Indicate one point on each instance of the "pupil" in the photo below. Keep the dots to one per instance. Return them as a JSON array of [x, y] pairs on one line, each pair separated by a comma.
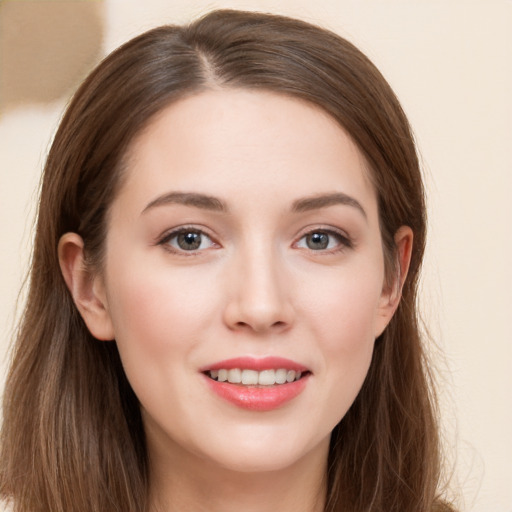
[[189, 241], [318, 241]]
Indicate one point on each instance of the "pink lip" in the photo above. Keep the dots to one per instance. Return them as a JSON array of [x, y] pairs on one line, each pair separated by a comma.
[[256, 398], [258, 364]]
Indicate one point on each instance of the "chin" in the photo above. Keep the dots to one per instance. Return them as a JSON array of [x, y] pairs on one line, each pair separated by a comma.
[[259, 454]]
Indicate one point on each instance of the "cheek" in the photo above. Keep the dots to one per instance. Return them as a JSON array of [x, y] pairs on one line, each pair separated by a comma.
[[345, 309], [160, 318], [343, 320], [349, 338], [158, 313]]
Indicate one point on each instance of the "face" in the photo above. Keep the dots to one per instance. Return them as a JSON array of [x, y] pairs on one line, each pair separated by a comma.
[[244, 245]]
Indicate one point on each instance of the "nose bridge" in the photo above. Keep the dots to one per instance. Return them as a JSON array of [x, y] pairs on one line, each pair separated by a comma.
[[260, 298]]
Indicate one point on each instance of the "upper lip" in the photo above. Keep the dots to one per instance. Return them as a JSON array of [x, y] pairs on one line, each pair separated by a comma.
[[258, 364]]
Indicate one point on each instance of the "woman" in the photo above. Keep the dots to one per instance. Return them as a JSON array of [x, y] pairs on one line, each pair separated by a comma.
[[222, 307]]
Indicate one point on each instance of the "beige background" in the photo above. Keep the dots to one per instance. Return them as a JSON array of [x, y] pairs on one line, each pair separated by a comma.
[[449, 61]]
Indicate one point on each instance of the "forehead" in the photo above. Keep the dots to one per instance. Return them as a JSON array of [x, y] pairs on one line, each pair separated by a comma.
[[222, 142]]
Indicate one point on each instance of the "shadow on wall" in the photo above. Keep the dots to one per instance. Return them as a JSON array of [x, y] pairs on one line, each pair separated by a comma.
[[46, 48]]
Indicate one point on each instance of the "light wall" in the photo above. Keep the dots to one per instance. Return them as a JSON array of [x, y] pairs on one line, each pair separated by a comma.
[[450, 63]]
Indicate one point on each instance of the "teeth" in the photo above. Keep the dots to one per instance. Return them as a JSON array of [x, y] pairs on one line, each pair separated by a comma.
[[281, 376], [290, 376], [249, 377], [254, 378], [267, 378], [235, 376]]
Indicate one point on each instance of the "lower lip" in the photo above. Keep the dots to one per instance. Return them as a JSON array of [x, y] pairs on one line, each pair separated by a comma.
[[255, 398]]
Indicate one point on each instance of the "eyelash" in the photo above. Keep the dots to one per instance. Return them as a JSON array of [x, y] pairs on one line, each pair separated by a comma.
[[175, 233], [343, 241]]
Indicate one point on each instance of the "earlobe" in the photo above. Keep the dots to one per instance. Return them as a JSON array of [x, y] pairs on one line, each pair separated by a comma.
[[392, 292], [86, 288]]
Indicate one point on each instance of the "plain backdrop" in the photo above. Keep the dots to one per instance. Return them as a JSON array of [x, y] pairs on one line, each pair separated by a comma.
[[450, 63]]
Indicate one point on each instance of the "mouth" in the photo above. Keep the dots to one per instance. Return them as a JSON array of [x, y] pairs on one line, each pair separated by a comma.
[[257, 384], [248, 377]]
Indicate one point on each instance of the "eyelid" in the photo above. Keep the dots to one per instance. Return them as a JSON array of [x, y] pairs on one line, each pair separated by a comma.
[[345, 240], [169, 234]]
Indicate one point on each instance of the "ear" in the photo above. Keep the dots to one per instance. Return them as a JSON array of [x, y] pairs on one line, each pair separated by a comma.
[[392, 292], [86, 288]]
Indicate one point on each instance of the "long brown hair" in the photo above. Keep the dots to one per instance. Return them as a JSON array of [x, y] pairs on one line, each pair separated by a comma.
[[72, 438]]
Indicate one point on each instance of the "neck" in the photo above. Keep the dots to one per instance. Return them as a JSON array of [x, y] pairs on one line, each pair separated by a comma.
[[197, 485]]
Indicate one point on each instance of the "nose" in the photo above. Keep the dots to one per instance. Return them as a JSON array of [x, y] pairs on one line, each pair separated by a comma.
[[259, 297]]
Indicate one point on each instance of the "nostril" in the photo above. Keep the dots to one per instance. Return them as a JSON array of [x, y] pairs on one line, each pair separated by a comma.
[[261, 326]]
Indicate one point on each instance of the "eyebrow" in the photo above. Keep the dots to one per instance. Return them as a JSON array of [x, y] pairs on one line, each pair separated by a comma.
[[212, 203], [196, 200], [325, 200]]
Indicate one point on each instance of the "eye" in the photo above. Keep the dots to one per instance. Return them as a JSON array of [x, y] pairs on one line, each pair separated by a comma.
[[187, 240], [323, 240]]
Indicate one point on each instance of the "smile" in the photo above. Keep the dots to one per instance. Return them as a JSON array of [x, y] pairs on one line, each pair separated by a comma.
[[255, 378], [257, 384]]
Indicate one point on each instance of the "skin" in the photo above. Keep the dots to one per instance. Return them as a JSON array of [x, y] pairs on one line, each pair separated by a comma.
[[256, 286]]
